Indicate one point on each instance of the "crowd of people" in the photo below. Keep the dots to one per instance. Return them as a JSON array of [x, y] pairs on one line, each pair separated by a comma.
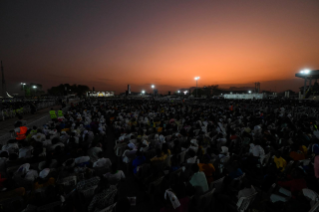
[[209, 155]]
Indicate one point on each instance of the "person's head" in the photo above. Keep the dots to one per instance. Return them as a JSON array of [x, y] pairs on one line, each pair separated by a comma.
[[191, 153], [278, 154], [55, 140], [165, 148], [4, 154], [47, 137], [18, 124], [103, 184], [123, 205], [100, 155], [195, 168], [205, 159], [25, 144], [114, 167], [13, 156], [297, 173], [158, 152], [247, 183]]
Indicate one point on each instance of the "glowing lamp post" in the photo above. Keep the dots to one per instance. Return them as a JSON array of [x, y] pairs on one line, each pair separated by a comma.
[[23, 84], [305, 72], [143, 92], [196, 79]]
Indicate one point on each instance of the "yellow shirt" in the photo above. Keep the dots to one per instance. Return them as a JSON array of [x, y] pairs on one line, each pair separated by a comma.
[[304, 150], [51, 181], [161, 158], [280, 163]]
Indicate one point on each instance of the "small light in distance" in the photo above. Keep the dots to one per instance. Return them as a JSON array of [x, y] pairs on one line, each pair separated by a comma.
[[152, 86], [249, 91], [143, 92], [178, 91], [197, 78], [185, 92], [34, 86]]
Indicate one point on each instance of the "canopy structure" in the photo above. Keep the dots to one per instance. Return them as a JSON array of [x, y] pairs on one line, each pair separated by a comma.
[[307, 75]]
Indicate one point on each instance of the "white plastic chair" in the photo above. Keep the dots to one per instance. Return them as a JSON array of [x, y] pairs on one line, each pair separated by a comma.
[[244, 202], [313, 196]]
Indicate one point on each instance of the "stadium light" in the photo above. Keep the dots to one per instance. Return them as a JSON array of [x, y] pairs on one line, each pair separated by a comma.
[[249, 91], [153, 86], [143, 92], [34, 86], [178, 91], [305, 71]]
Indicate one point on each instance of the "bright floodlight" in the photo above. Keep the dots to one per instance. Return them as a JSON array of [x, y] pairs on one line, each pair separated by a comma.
[[178, 91], [185, 92], [249, 91], [197, 78], [34, 86], [143, 92], [305, 71], [23, 83], [152, 86]]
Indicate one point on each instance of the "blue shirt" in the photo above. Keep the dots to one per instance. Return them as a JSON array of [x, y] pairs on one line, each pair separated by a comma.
[[137, 162]]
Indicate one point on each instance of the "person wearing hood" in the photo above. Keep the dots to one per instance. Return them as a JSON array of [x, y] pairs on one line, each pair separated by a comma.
[[25, 174], [44, 179]]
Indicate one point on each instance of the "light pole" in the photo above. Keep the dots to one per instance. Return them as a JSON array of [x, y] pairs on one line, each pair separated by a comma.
[[143, 92], [23, 84], [153, 86], [196, 79], [35, 88]]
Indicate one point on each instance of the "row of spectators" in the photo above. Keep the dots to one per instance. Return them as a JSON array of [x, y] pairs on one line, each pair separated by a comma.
[[195, 156]]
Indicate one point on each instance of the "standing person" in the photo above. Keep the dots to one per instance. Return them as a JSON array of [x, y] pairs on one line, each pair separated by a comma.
[[60, 113], [20, 131], [53, 114]]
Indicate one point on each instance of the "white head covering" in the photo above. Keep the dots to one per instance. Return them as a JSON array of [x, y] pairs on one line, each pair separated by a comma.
[[194, 141], [173, 198], [44, 173], [224, 149], [24, 168]]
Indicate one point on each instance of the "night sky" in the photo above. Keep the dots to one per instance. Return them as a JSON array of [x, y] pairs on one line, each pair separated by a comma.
[[111, 43]]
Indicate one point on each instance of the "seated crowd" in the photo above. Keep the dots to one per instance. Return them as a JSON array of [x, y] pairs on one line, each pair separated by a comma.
[[198, 156]]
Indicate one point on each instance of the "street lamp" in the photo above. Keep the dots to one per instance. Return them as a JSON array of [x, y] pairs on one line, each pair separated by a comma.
[[178, 91], [143, 92], [196, 79], [249, 91], [35, 88], [153, 86], [305, 71], [23, 84]]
